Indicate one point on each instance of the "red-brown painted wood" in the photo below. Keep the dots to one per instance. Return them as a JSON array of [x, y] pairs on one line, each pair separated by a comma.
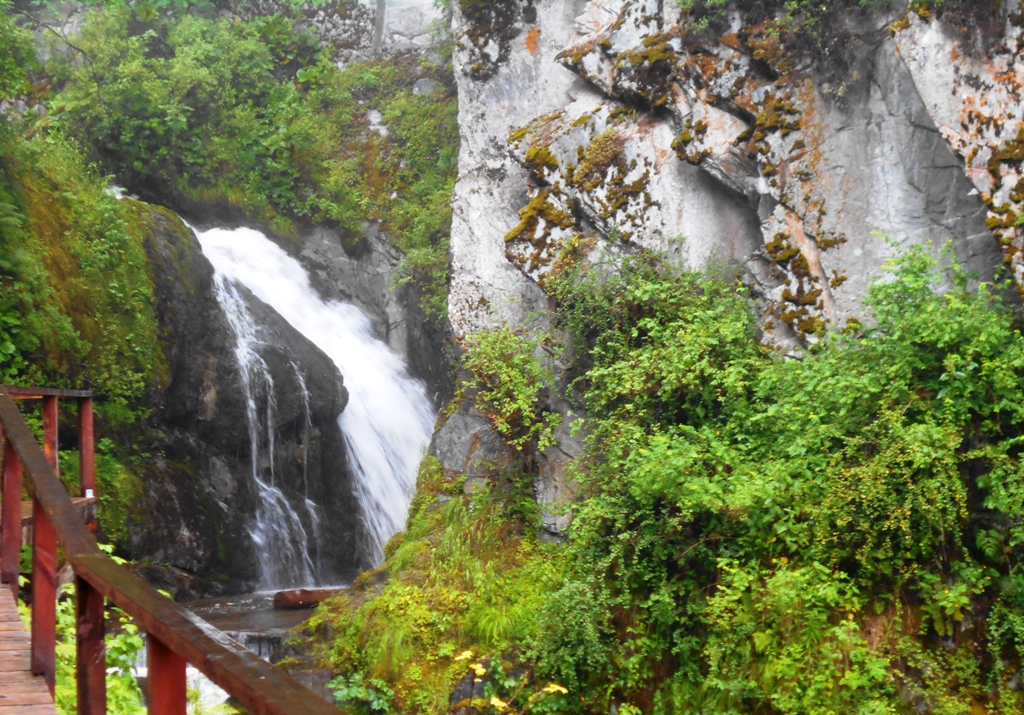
[[87, 453], [91, 653], [10, 518], [86, 447], [44, 594], [165, 679], [50, 432], [259, 687], [34, 393]]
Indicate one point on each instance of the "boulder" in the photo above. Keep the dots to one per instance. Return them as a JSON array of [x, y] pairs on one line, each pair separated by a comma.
[[468, 444], [198, 496]]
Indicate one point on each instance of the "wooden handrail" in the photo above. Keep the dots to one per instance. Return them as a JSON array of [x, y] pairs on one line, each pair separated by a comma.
[[35, 393], [174, 634]]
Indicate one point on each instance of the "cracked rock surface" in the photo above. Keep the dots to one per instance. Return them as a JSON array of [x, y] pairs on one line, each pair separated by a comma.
[[607, 119]]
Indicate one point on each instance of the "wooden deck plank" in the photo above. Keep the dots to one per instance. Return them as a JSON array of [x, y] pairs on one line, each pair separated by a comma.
[[21, 693], [24, 696]]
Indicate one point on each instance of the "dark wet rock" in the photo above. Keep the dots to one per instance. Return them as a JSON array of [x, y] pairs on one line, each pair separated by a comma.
[[198, 498]]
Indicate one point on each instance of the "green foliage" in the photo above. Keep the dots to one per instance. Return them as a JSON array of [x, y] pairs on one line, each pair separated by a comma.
[[17, 56], [374, 696], [257, 115], [507, 381], [795, 535], [123, 644], [77, 307], [467, 579], [76, 302], [118, 487], [831, 534]]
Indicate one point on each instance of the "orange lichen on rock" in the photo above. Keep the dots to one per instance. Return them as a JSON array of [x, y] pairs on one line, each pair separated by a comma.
[[977, 108], [533, 40]]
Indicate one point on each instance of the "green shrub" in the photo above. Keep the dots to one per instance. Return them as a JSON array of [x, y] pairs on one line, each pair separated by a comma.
[[507, 380], [468, 580], [836, 533], [77, 306], [257, 115], [793, 533]]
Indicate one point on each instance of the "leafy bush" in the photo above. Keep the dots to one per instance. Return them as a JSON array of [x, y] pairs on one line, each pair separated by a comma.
[[762, 532], [507, 381], [257, 116], [836, 533]]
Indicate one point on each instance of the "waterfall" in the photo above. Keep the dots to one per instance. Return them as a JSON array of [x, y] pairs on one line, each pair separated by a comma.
[[389, 419], [312, 511], [282, 544]]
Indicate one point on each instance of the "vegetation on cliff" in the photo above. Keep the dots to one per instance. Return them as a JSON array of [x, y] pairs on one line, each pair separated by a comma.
[[76, 310], [838, 533], [76, 302], [76, 306], [256, 117]]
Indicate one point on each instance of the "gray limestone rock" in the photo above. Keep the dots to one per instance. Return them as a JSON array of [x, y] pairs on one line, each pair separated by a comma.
[[467, 444], [486, 289], [600, 121]]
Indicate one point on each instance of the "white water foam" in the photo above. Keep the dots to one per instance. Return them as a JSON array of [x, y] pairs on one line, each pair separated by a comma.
[[389, 419], [277, 531]]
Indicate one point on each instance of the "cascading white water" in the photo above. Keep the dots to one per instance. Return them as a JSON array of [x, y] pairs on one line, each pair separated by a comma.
[[389, 419], [312, 510], [282, 544]]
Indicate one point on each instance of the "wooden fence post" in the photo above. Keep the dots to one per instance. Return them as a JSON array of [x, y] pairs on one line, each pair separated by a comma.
[[50, 432], [165, 679], [86, 447], [44, 564], [87, 454], [91, 656], [10, 540], [44, 594]]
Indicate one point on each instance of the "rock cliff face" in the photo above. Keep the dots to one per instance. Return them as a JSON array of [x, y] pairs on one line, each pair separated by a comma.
[[199, 497], [614, 119], [359, 30], [618, 120]]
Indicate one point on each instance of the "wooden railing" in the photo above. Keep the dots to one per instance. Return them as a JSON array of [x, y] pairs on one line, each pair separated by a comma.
[[174, 636]]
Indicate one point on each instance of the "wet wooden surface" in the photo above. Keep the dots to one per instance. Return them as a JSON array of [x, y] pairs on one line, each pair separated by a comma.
[[258, 686], [21, 693], [86, 506]]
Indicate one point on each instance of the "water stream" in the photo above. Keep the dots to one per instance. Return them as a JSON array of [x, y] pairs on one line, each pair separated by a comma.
[[386, 425], [282, 543]]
